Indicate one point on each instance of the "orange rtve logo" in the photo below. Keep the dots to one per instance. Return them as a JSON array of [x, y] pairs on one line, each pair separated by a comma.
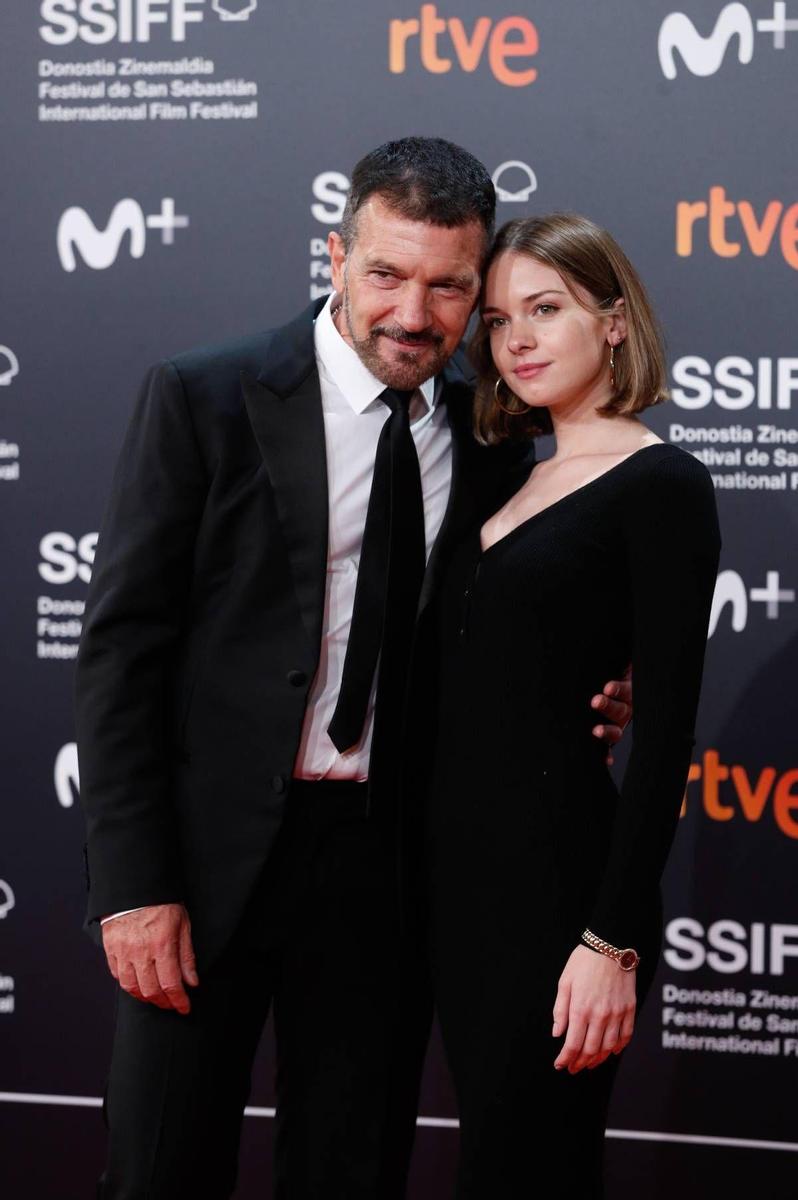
[[744, 796], [510, 38], [754, 231]]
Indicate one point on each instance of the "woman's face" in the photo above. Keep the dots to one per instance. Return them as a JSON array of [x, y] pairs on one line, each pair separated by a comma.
[[549, 350]]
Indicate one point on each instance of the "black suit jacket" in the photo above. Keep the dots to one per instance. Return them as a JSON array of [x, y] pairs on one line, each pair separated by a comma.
[[204, 620]]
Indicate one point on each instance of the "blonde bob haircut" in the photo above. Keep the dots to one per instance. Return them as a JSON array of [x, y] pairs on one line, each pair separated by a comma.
[[588, 258]]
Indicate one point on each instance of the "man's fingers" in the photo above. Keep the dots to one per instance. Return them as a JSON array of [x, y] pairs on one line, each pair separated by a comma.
[[171, 985], [608, 733], [621, 689], [128, 980], [150, 953], [613, 711], [150, 985], [188, 965]]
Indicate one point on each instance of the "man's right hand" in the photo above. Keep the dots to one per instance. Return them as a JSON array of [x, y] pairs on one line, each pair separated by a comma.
[[150, 955]]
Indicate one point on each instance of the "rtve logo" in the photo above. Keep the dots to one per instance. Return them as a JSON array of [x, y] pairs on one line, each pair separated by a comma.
[[703, 55], [727, 792], [508, 40], [752, 231], [731, 593], [100, 21], [99, 248]]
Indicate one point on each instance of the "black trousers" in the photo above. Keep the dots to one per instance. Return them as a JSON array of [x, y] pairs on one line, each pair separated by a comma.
[[321, 944]]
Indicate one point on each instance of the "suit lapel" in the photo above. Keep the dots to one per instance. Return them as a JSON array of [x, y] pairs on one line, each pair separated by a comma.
[[285, 411]]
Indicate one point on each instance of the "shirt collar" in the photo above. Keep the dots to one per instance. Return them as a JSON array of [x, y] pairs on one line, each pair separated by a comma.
[[346, 370]]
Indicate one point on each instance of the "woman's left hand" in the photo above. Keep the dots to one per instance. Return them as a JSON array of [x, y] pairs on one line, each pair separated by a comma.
[[595, 1008]]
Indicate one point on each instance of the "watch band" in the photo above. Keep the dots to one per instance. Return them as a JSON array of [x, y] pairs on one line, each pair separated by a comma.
[[626, 959]]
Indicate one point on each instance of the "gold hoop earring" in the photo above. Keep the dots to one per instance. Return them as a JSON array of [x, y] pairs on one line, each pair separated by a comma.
[[511, 412]]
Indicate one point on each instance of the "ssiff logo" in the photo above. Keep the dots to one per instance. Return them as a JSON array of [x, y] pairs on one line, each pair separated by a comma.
[[731, 949], [703, 54], [508, 40], [65, 558], [99, 248], [98, 22]]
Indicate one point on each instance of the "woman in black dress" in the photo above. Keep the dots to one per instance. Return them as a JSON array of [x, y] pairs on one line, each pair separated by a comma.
[[544, 877]]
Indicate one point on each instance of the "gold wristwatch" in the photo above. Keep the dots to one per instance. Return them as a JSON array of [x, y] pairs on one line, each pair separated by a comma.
[[627, 959]]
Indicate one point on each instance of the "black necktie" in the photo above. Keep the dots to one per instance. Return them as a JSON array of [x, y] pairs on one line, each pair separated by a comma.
[[392, 562]]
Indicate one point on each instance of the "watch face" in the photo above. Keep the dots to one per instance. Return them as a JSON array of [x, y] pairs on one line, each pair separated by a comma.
[[628, 960]]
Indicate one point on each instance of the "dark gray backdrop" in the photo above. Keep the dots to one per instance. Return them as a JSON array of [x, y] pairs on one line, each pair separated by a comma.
[[612, 125]]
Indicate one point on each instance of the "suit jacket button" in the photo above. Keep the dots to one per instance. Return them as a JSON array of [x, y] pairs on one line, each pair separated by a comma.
[[297, 678], [278, 784]]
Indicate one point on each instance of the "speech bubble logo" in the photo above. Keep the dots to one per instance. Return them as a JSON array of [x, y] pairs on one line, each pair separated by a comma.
[[7, 900], [524, 181], [9, 365], [234, 10]]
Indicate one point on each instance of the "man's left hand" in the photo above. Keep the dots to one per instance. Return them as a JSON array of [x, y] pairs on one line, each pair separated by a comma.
[[615, 705]]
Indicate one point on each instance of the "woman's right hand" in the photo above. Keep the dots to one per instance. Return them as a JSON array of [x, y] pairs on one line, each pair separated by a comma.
[[595, 1009]]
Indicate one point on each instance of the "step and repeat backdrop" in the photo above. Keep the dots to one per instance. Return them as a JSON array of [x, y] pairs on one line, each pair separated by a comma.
[[171, 171]]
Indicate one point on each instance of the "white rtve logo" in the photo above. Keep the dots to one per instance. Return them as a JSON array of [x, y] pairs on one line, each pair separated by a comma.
[[703, 55], [66, 775], [99, 248], [731, 590]]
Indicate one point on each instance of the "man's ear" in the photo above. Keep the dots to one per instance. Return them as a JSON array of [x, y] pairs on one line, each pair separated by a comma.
[[616, 323], [337, 252]]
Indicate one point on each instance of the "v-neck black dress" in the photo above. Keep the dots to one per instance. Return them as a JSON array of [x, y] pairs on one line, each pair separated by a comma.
[[529, 840]]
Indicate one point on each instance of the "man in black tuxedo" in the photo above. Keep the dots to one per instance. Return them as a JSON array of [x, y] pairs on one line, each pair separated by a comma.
[[280, 514]]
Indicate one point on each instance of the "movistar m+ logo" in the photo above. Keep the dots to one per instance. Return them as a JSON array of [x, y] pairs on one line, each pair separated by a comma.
[[99, 248], [703, 54]]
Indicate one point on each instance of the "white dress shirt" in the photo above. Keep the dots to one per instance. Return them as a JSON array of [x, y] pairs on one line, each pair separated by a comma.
[[353, 420]]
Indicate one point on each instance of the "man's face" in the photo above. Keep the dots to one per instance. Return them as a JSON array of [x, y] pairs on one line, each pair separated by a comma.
[[408, 289]]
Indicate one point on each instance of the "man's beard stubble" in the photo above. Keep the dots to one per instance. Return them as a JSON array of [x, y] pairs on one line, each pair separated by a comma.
[[406, 373]]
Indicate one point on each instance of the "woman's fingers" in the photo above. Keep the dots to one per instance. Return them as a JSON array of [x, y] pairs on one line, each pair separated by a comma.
[[591, 1047], [612, 1033], [574, 1040], [627, 1029], [561, 1005]]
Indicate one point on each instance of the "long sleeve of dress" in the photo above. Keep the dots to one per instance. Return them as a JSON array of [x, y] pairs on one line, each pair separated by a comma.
[[673, 545]]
